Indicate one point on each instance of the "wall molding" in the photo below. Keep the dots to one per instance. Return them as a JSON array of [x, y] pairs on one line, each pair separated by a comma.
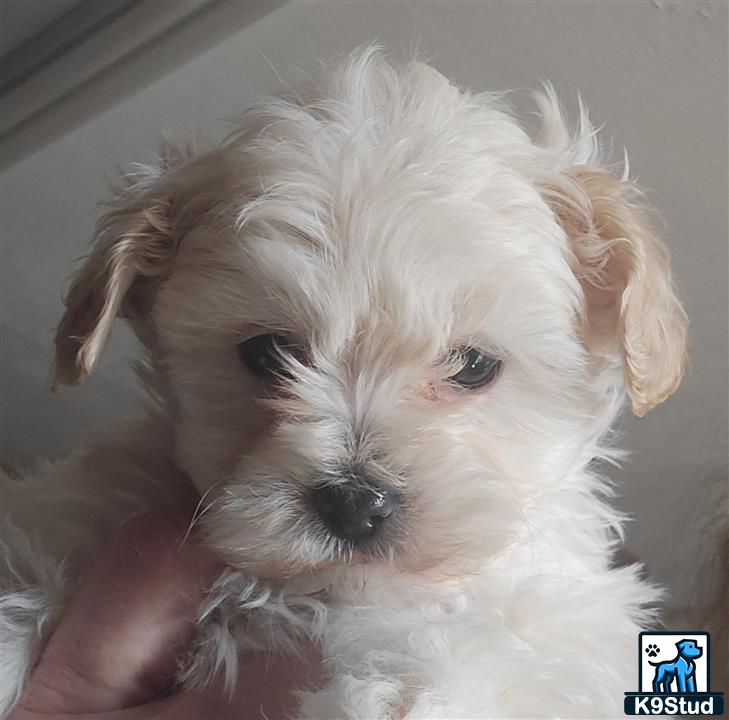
[[99, 53], [56, 39]]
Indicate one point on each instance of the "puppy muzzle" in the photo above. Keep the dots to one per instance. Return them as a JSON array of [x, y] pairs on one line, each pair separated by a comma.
[[356, 511]]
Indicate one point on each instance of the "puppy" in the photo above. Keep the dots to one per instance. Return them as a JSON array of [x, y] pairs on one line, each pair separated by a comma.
[[681, 670], [388, 334]]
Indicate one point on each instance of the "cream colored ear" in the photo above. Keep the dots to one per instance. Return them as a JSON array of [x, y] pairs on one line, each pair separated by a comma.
[[133, 242], [623, 264]]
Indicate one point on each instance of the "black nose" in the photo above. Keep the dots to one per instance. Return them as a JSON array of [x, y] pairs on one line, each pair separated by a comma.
[[355, 512]]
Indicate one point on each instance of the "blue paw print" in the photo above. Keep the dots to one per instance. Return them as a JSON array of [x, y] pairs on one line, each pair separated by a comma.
[[652, 650]]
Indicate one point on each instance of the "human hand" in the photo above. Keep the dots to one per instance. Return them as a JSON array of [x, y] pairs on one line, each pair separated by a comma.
[[114, 654]]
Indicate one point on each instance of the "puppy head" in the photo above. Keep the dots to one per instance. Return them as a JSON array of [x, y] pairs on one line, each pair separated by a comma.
[[382, 319], [688, 649]]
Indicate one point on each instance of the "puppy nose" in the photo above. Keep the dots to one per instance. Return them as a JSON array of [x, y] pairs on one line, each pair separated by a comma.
[[355, 512]]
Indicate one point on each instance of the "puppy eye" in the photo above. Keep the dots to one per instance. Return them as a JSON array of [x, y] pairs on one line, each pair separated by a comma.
[[263, 355], [478, 369]]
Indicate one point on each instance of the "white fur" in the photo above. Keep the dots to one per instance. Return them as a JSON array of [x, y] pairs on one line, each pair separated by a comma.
[[381, 219]]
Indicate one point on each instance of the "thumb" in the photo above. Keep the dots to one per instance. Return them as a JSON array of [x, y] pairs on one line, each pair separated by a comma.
[[117, 645]]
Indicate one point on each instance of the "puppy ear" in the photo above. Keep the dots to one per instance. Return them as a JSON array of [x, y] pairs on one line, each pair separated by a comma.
[[623, 265], [133, 244]]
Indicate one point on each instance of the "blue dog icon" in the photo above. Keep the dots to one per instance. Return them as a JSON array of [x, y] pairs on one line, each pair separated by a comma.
[[682, 669]]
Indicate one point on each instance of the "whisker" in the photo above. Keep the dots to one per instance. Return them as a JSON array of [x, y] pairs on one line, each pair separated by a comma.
[[198, 513]]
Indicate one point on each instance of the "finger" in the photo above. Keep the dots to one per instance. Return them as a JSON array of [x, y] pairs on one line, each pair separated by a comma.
[[117, 645], [266, 687], [265, 691]]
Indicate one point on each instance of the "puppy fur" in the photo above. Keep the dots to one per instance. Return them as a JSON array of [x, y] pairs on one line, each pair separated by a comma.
[[381, 218]]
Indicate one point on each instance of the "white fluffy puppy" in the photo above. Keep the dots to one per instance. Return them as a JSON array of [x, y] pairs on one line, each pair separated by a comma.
[[389, 334]]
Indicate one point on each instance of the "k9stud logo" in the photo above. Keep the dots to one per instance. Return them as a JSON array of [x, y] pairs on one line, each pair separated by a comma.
[[673, 676]]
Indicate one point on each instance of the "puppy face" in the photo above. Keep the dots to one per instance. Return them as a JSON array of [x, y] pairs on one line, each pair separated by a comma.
[[382, 319], [378, 315]]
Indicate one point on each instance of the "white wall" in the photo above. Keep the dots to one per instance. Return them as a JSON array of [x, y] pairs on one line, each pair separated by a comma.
[[655, 73]]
